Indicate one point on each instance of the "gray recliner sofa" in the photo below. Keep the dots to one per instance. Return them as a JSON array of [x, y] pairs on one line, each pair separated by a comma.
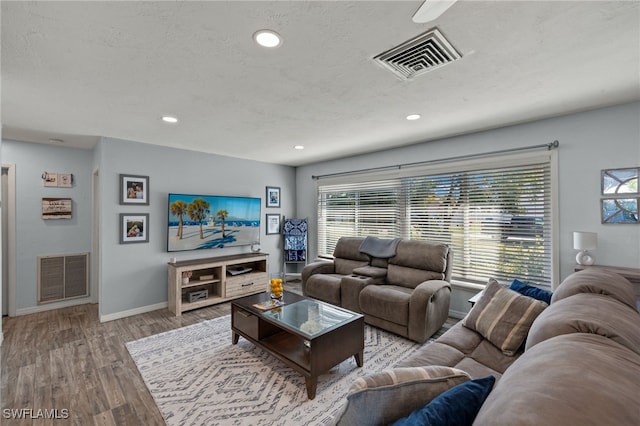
[[578, 363], [407, 293]]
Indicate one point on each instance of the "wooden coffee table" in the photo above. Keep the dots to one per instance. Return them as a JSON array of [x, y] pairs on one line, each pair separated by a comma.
[[308, 335]]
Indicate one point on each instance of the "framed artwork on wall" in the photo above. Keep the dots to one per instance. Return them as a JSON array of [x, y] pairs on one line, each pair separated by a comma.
[[273, 224], [134, 189], [619, 210], [617, 182], [57, 208], [273, 196], [620, 188], [134, 228]]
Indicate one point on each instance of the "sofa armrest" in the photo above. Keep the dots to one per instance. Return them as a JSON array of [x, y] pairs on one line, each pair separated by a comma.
[[350, 288], [381, 398], [319, 267], [428, 308]]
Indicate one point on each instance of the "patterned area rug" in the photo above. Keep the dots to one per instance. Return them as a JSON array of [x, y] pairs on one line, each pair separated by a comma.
[[197, 377]]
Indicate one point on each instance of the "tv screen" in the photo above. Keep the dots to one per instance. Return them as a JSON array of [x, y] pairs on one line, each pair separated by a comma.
[[200, 222]]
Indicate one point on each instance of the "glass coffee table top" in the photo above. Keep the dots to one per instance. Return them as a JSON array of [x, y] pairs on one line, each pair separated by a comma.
[[310, 317]]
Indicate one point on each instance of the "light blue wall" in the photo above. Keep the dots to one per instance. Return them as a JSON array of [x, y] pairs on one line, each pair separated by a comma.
[[38, 237], [135, 275], [589, 142]]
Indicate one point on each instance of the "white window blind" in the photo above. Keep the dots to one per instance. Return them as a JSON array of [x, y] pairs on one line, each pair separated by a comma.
[[497, 220]]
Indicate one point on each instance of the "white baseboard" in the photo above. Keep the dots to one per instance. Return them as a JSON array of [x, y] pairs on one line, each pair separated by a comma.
[[132, 312], [52, 306]]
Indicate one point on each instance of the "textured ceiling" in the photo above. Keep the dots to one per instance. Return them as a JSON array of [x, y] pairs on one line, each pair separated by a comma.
[[80, 70]]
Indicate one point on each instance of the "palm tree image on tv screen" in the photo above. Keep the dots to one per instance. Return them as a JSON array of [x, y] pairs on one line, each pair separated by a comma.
[[199, 222]]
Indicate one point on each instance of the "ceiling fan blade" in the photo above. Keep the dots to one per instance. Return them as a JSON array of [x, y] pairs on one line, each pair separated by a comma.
[[431, 10]]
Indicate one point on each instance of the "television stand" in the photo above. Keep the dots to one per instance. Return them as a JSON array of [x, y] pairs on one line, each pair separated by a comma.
[[197, 283]]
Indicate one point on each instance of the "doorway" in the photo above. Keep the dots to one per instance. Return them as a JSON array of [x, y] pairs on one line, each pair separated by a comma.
[[8, 214], [95, 238]]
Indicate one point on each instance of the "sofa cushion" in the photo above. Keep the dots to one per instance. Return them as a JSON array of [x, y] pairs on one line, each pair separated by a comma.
[[573, 379], [349, 248], [531, 291], [503, 317], [346, 266], [418, 254], [598, 282], [410, 277], [588, 313], [325, 287], [384, 397], [388, 302], [464, 349], [457, 406]]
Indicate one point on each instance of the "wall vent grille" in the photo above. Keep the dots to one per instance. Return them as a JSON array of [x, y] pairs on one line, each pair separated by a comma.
[[62, 277], [419, 55]]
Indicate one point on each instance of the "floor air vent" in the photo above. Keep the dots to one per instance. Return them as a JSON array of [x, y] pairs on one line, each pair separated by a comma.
[[419, 55], [62, 277]]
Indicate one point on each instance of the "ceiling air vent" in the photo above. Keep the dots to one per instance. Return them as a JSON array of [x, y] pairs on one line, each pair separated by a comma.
[[421, 54]]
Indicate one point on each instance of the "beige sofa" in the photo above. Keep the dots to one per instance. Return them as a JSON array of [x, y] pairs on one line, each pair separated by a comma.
[[406, 293], [579, 364]]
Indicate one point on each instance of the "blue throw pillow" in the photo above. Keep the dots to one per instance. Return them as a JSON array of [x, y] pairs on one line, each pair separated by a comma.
[[457, 406], [535, 292]]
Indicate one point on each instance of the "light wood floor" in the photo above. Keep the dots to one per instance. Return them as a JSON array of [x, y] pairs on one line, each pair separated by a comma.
[[66, 359]]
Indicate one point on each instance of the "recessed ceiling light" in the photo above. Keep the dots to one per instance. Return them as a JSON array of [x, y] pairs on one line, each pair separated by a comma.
[[169, 119], [412, 117], [55, 140], [299, 147], [267, 38]]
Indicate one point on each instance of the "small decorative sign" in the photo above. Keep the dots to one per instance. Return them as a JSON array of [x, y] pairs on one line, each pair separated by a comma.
[[50, 179], [65, 180], [56, 208], [61, 180]]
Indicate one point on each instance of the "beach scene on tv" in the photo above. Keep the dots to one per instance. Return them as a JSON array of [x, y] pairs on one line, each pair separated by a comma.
[[198, 222]]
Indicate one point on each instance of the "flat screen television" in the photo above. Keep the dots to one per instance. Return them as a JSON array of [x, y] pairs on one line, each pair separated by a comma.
[[201, 222]]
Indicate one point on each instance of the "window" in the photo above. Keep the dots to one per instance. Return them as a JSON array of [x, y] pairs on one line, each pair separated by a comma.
[[496, 215]]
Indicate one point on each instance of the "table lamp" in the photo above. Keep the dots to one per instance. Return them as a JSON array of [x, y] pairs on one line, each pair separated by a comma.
[[585, 241]]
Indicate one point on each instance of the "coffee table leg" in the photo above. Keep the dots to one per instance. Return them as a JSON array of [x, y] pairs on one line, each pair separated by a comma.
[[312, 384], [234, 337], [359, 358]]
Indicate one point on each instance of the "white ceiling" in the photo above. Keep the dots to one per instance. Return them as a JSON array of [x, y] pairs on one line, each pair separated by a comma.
[[79, 70]]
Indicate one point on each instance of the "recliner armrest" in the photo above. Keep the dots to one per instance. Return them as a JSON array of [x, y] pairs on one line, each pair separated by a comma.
[[428, 308], [427, 289], [319, 267], [371, 271]]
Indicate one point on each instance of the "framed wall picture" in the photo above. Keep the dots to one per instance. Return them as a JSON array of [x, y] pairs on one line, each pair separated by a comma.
[[134, 228], [273, 196], [57, 208], [273, 224], [619, 210], [50, 179], [134, 189], [65, 180], [620, 182]]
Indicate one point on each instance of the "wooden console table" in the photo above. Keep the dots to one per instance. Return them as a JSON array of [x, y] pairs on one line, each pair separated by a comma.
[[632, 274]]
